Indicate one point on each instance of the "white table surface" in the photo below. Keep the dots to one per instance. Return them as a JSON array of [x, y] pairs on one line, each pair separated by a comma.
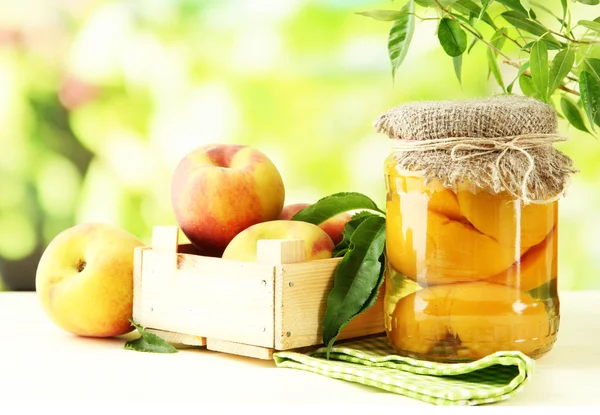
[[41, 364]]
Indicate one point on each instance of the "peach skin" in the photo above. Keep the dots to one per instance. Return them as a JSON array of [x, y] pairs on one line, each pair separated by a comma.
[[218, 190], [334, 227]]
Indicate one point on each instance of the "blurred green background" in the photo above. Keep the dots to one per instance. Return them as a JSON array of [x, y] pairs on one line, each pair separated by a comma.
[[100, 99]]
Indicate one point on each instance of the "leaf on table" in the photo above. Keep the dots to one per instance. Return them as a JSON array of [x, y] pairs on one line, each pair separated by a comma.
[[538, 66], [561, 65], [589, 88], [356, 278], [383, 15], [451, 36], [572, 114], [400, 36], [335, 204], [148, 342]]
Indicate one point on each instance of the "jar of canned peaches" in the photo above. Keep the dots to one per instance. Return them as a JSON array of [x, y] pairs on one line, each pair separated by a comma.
[[472, 228]]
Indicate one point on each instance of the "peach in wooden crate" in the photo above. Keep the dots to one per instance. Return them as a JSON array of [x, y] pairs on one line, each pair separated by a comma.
[[238, 307]]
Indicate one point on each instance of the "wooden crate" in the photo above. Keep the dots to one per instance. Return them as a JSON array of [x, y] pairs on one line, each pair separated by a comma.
[[245, 308]]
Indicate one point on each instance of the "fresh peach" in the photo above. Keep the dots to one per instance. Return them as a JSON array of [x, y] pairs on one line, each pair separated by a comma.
[[317, 244], [334, 227], [84, 280], [218, 190]]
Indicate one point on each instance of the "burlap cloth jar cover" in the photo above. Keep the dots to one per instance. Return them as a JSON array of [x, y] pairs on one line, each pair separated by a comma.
[[501, 143]]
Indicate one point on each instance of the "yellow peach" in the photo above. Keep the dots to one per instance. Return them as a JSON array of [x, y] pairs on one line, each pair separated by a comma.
[[479, 318], [536, 267], [317, 244], [433, 249], [501, 217]]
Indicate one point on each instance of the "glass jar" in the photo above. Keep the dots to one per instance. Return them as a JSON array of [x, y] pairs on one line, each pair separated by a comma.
[[468, 272]]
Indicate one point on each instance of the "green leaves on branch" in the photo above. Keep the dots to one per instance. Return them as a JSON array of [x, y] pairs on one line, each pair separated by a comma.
[[551, 52], [400, 36], [148, 342], [572, 114], [561, 65], [589, 88], [452, 38], [383, 15], [538, 65]]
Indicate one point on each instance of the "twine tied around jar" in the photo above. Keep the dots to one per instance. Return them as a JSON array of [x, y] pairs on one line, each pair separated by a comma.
[[463, 148], [500, 144]]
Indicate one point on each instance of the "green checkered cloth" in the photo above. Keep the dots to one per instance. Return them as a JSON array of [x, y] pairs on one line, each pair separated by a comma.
[[372, 362]]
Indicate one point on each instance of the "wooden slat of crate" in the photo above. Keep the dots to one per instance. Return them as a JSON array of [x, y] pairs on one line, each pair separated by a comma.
[[300, 303], [208, 297]]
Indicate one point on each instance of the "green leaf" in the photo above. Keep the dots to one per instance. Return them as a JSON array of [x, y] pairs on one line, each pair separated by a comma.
[[355, 278], [517, 6], [466, 6], [452, 38], [590, 24], [588, 2], [589, 88], [335, 204], [494, 69], [520, 72], [521, 21], [383, 15], [148, 342], [561, 65], [549, 45], [349, 229], [527, 86], [499, 38], [400, 36], [526, 5], [457, 63], [432, 3], [565, 8], [485, 4], [592, 65], [538, 64], [572, 114]]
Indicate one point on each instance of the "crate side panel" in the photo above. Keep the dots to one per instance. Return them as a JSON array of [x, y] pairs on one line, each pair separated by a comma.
[[304, 291], [208, 297]]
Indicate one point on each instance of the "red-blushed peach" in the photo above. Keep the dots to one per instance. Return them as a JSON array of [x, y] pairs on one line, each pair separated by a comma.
[[84, 280], [218, 190], [317, 244], [334, 226]]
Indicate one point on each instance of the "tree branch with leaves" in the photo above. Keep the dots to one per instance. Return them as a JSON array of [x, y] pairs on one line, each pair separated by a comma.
[[557, 60]]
